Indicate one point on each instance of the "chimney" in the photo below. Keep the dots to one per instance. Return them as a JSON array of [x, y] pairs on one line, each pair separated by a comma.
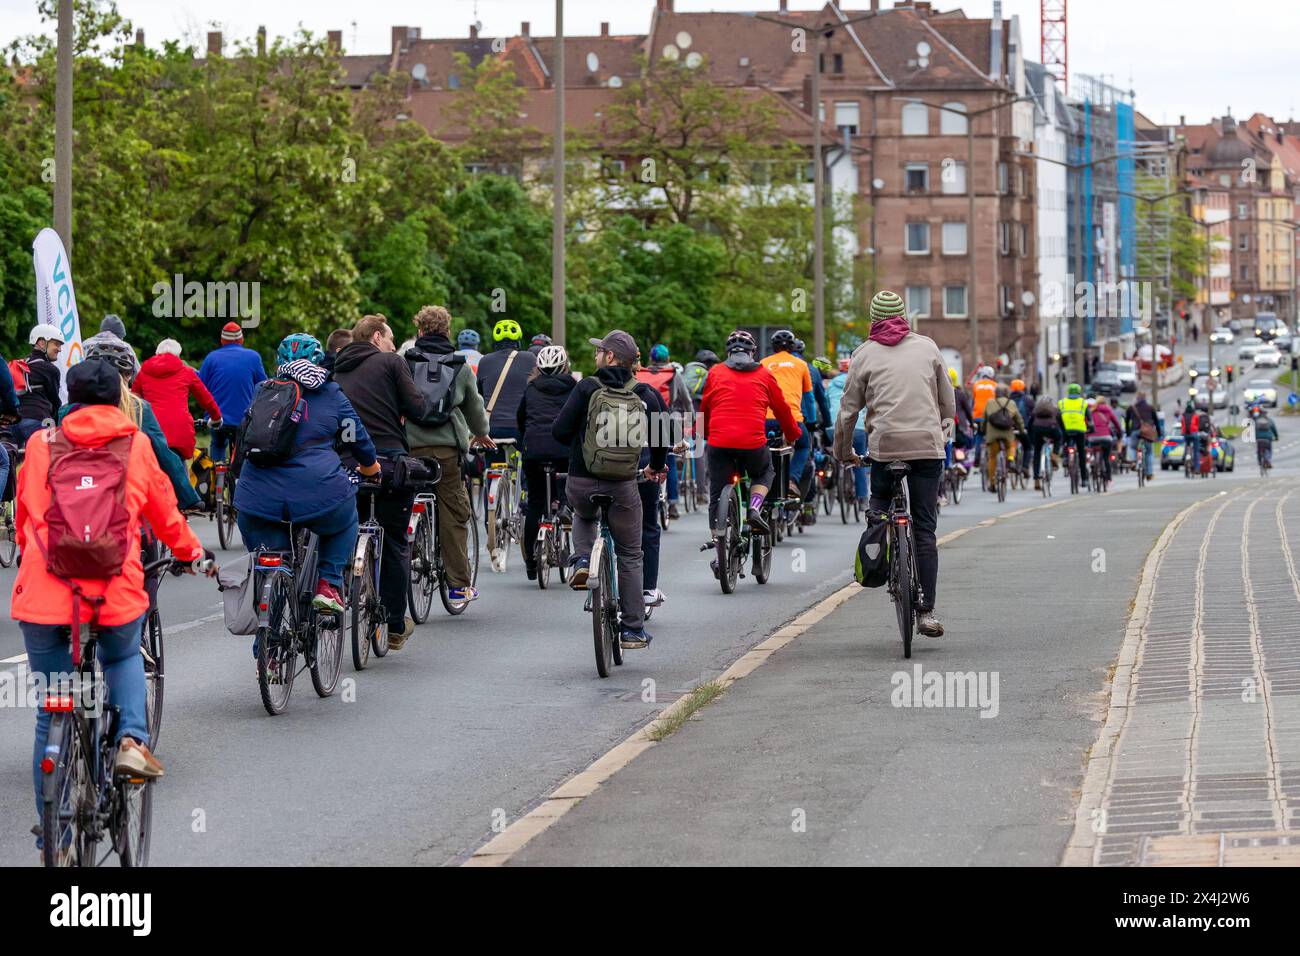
[[214, 43], [995, 43], [335, 40], [473, 31], [664, 6], [399, 39], [875, 6], [139, 38], [523, 28], [604, 28], [261, 41], [1182, 119], [784, 6]]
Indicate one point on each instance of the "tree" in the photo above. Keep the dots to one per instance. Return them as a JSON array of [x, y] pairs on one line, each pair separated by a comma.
[[488, 106]]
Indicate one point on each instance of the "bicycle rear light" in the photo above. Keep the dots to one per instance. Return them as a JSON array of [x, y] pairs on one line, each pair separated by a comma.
[[59, 704], [269, 561]]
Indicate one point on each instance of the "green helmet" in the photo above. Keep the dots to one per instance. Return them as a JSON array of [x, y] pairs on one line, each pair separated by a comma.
[[1074, 390]]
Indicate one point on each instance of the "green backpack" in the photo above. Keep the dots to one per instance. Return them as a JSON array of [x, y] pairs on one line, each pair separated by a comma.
[[616, 433]]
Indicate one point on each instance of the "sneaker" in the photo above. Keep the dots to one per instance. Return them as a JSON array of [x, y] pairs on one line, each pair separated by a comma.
[[461, 595], [652, 597], [713, 565], [400, 633], [673, 513], [579, 571], [928, 624], [756, 521], [531, 571], [634, 638], [809, 518], [135, 760], [1038, 484], [498, 560], [327, 598]]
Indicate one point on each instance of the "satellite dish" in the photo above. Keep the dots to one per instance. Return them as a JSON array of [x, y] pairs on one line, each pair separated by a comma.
[[593, 63], [693, 59], [922, 63], [878, 183], [684, 40], [615, 82], [419, 72], [923, 49], [671, 52], [1028, 298]]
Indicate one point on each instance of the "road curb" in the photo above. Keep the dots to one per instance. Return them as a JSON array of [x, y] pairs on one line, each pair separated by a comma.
[[498, 850]]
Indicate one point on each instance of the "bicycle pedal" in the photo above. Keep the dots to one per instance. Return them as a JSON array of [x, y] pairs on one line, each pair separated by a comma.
[[708, 546]]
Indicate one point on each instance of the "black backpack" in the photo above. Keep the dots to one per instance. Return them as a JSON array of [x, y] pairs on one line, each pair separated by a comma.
[[871, 565], [1002, 418], [270, 426], [435, 377]]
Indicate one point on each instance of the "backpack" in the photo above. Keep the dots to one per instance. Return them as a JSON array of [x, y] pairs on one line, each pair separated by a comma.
[[616, 433], [87, 522], [1001, 419], [695, 374], [19, 371], [266, 435], [871, 565], [661, 379], [435, 377]]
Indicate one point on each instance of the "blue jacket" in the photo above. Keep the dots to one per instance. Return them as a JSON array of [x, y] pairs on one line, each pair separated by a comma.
[[814, 405], [230, 374], [8, 397], [834, 393], [312, 482]]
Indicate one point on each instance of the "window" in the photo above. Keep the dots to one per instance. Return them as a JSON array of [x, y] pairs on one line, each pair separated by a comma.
[[1005, 308], [1225, 179], [916, 119], [918, 238], [1242, 212], [953, 178], [1004, 238], [1243, 273], [954, 238], [1021, 184], [1243, 242], [612, 168], [950, 124], [1004, 179], [837, 62], [1024, 240], [846, 117], [954, 302], [917, 177], [917, 300]]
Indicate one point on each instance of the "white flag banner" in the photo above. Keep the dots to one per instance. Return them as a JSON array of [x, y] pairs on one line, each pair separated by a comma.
[[56, 303]]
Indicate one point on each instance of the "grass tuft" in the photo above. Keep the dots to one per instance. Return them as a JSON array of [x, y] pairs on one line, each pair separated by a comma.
[[697, 698]]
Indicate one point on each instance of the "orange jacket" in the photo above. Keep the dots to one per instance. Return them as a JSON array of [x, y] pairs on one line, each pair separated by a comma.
[[41, 598], [983, 390]]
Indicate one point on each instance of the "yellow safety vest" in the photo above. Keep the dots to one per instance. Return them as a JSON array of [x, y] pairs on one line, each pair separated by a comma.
[[1073, 414]]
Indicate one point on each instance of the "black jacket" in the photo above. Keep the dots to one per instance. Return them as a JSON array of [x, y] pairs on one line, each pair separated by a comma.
[[571, 424], [41, 399], [512, 391], [540, 407], [380, 387]]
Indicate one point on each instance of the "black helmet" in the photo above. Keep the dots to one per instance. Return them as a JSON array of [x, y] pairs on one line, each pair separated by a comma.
[[707, 357], [783, 341], [740, 341], [798, 346]]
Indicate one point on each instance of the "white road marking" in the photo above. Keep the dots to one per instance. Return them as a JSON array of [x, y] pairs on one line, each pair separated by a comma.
[[167, 632]]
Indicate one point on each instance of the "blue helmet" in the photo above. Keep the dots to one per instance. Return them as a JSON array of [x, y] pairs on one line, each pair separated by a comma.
[[659, 354], [467, 339], [300, 345]]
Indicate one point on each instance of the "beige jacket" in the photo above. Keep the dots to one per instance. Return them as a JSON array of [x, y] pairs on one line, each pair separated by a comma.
[[907, 394]]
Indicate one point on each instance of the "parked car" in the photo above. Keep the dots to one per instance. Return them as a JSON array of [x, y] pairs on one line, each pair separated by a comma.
[[1283, 341], [1106, 382], [1267, 357], [1260, 390], [1221, 336], [1235, 326], [1202, 398], [1128, 374], [1173, 448], [1248, 348]]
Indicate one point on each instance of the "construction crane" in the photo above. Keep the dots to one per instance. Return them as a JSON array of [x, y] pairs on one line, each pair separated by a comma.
[[1054, 48]]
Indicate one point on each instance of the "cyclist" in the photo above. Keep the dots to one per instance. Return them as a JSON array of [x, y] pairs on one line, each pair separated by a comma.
[[1106, 427], [738, 396], [1002, 422], [794, 377], [310, 487], [964, 425], [1193, 423], [339, 340], [647, 487], [539, 342], [1265, 434], [695, 373], [42, 603], [1044, 429], [503, 376], [378, 383], [467, 428], [1138, 416], [671, 385], [467, 343], [834, 394], [900, 378], [1025, 404], [983, 389], [1074, 425], [616, 356], [231, 373], [167, 384], [548, 389], [41, 386]]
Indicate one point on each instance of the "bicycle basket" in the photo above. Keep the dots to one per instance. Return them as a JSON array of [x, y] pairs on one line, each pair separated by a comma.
[[871, 565]]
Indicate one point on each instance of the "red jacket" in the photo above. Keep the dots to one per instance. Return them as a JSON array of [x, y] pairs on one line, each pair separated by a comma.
[[167, 384], [41, 598], [735, 403]]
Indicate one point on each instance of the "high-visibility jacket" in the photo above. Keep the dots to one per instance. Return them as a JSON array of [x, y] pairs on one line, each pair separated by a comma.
[[983, 390], [1074, 414]]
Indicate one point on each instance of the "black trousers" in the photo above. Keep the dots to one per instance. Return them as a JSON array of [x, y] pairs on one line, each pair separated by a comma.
[[392, 511], [923, 490], [1041, 435], [535, 478], [754, 463], [1080, 442]]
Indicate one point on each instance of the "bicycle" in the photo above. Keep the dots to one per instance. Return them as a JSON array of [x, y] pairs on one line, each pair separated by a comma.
[[428, 573], [1045, 468], [686, 477], [845, 492], [1000, 475], [1262, 456], [903, 587], [554, 536], [1098, 482], [1072, 466], [602, 597], [501, 482], [735, 538], [776, 496], [1140, 460], [369, 620], [153, 553], [661, 506], [219, 499], [8, 529], [84, 802]]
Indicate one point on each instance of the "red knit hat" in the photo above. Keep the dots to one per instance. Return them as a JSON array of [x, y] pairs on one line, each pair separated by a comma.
[[231, 332]]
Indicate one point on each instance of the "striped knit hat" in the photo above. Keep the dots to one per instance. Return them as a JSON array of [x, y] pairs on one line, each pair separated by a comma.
[[231, 332], [885, 305]]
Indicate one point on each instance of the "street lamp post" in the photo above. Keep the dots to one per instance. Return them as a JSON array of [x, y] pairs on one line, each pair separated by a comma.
[[557, 199], [63, 128], [1155, 337]]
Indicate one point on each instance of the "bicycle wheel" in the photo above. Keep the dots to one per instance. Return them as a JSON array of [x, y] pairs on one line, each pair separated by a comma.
[[662, 509], [604, 619], [1002, 478], [134, 822], [151, 649], [361, 600], [841, 481], [958, 485], [904, 588], [67, 792], [327, 654], [728, 542], [225, 513], [277, 647], [8, 537], [545, 544], [761, 546], [421, 585], [564, 552], [499, 537]]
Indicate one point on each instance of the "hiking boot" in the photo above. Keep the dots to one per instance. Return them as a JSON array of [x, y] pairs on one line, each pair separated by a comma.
[[928, 624], [400, 633], [579, 571], [1038, 484], [530, 569], [135, 760], [327, 598], [673, 513], [634, 638]]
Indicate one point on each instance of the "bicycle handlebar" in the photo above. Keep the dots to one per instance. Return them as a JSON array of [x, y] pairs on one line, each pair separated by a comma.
[[199, 566]]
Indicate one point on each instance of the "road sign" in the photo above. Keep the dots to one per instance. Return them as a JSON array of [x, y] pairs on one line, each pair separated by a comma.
[[1292, 399]]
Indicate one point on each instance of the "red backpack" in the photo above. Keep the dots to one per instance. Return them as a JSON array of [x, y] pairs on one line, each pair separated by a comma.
[[660, 379], [18, 371]]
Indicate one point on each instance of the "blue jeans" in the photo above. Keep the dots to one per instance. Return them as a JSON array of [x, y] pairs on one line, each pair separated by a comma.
[[672, 478], [4, 468], [861, 474], [337, 530], [25, 429], [49, 652]]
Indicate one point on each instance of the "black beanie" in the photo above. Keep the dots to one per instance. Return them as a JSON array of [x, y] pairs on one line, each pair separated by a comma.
[[94, 382], [112, 323]]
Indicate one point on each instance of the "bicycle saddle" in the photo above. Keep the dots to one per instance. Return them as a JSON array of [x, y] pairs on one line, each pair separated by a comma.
[[602, 501], [899, 467]]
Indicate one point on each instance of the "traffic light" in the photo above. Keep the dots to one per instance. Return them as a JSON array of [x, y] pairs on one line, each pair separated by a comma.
[[1228, 369]]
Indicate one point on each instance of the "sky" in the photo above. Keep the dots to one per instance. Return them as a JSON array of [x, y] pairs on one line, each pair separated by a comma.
[[1197, 58]]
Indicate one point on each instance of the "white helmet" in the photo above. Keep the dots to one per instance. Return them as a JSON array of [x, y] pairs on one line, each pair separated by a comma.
[[553, 360], [985, 371], [44, 331]]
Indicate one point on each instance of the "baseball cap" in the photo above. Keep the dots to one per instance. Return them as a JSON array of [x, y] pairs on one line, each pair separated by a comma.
[[620, 344]]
